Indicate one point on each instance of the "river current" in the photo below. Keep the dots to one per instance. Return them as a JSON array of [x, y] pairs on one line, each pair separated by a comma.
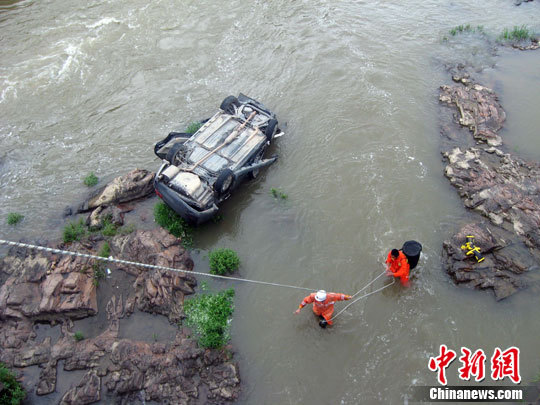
[[90, 87]]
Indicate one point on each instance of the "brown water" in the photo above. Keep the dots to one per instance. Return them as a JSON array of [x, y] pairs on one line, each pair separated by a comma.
[[354, 83]]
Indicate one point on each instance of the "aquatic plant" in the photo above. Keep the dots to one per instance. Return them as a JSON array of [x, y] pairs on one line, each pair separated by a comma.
[[209, 315], [516, 34], [278, 194], [91, 180], [74, 231], [193, 127], [467, 28], [12, 392], [174, 223], [78, 336], [223, 261], [14, 218]]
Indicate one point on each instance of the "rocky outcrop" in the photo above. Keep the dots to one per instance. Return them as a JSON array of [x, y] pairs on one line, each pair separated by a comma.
[[502, 188], [45, 287]]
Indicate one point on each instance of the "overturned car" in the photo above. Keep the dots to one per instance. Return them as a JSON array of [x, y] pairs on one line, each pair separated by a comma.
[[200, 170]]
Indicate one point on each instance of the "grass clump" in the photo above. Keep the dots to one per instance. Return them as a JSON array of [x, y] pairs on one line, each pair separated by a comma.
[[210, 315], [99, 273], [74, 231], [174, 223], [516, 34], [14, 218], [12, 392], [223, 261], [108, 229], [193, 127], [105, 250], [127, 229], [91, 180], [278, 194], [78, 336]]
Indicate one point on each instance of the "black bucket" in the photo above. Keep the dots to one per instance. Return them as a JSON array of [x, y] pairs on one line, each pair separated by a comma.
[[412, 249]]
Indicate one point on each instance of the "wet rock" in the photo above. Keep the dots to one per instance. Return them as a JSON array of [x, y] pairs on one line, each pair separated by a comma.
[[479, 109], [497, 185], [86, 392], [501, 268], [47, 379], [113, 214], [59, 289], [132, 186]]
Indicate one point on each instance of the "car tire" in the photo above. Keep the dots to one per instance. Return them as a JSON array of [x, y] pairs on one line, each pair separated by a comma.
[[171, 154], [270, 129], [228, 104], [224, 181]]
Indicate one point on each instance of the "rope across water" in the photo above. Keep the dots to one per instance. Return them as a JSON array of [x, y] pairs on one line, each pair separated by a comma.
[[153, 266]]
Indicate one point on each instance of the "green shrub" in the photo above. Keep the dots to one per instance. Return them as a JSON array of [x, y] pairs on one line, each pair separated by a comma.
[[99, 273], [105, 250], [12, 392], [14, 218], [109, 229], [78, 336], [193, 127], [223, 261], [74, 231], [91, 180], [516, 34], [174, 223], [209, 316]]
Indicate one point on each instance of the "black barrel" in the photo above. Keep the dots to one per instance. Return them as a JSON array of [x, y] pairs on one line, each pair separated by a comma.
[[411, 249]]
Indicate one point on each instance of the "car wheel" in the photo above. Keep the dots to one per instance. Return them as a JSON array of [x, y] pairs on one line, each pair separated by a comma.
[[224, 181], [173, 152], [228, 104], [270, 129]]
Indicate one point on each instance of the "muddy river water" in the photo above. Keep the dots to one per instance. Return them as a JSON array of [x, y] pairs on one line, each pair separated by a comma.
[[92, 86]]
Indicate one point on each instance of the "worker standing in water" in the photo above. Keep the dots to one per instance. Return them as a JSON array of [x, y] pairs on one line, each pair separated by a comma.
[[397, 265], [323, 305]]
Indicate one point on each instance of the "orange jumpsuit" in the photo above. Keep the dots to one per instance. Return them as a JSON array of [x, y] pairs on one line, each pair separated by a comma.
[[326, 307], [399, 267]]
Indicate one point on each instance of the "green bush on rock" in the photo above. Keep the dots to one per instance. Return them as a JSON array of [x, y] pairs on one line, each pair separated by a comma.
[[209, 315], [174, 223], [11, 391]]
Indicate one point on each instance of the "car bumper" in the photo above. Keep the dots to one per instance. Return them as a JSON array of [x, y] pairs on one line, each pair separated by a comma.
[[182, 208]]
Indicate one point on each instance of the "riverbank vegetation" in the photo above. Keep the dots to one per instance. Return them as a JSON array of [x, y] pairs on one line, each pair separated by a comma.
[[174, 223], [276, 193], [14, 218], [209, 315], [223, 261], [516, 34], [11, 391], [479, 29], [74, 231]]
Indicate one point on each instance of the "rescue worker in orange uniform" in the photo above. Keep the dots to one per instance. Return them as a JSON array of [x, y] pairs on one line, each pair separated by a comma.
[[397, 265], [323, 305]]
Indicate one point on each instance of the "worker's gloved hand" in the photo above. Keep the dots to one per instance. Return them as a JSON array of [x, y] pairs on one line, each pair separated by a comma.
[[348, 297], [297, 311], [389, 273]]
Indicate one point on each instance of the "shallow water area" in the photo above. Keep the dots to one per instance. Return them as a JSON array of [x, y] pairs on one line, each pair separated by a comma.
[[91, 87]]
